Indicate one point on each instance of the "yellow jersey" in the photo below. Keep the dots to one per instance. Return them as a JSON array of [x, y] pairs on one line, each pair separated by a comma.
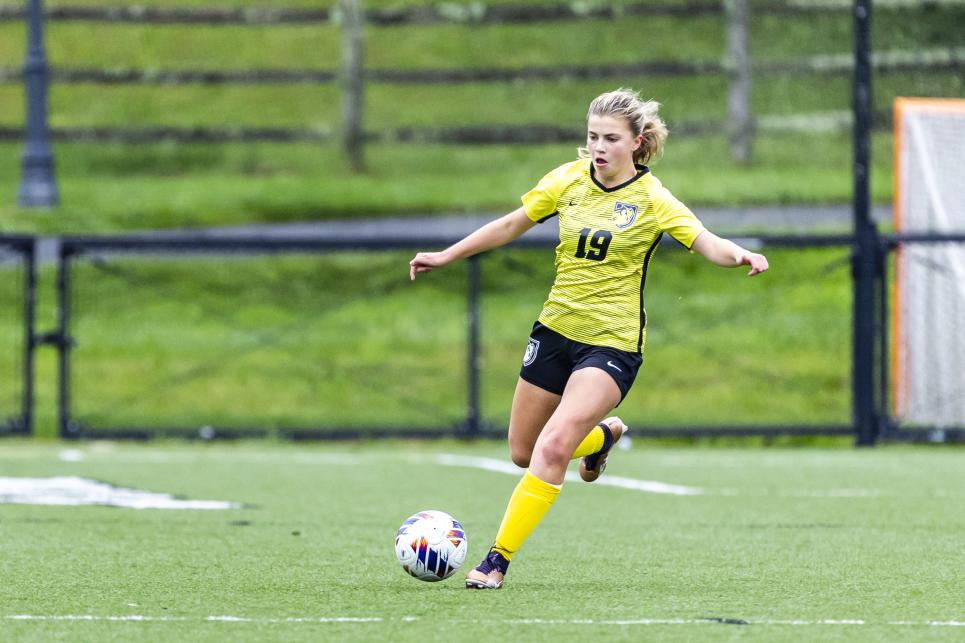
[[607, 238]]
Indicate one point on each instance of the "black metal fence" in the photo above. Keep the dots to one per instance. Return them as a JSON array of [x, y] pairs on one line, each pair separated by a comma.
[[17, 288], [193, 336], [231, 318], [233, 337]]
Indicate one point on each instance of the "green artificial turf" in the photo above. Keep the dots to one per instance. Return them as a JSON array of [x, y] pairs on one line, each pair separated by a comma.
[[777, 545]]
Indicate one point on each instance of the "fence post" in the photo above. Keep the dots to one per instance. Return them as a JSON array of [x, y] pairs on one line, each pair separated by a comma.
[[66, 428], [884, 344], [473, 425], [37, 185], [30, 334], [865, 259], [350, 77], [740, 123]]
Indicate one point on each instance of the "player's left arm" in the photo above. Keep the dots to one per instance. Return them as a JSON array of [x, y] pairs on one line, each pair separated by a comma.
[[728, 254]]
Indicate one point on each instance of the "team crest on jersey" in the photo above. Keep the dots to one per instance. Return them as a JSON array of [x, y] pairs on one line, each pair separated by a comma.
[[624, 214], [531, 348]]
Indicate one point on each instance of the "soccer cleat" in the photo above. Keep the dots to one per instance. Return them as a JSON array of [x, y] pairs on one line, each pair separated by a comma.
[[489, 574], [592, 466]]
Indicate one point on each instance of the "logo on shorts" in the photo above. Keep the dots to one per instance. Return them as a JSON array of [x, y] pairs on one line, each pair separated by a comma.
[[530, 355], [612, 365], [624, 214]]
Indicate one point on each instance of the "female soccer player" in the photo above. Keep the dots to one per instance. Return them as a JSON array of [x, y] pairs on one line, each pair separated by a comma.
[[585, 348]]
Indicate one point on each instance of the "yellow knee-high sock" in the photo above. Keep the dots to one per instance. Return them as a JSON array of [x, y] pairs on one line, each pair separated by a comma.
[[591, 444], [527, 506]]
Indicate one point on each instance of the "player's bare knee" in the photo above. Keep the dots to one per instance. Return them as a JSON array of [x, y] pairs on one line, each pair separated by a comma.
[[521, 461], [554, 452], [520, 455]]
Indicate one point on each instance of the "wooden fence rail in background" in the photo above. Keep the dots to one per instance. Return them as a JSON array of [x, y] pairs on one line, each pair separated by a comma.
[[348, 15], [524, 134], [942, 59], [474, 13]]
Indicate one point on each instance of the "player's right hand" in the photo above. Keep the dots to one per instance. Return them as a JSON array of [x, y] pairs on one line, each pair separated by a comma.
[[424, 262]]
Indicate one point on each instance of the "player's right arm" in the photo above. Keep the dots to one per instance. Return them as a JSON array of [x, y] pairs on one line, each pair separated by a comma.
[[492, 235]]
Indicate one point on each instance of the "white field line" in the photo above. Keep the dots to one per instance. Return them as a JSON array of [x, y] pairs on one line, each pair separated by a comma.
[[106, 451], [499, 466], [76, 491], [224, 618], [648, 486], [173, 457]]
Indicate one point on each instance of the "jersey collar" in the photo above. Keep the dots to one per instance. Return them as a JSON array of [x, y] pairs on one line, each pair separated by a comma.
[[641, 170]]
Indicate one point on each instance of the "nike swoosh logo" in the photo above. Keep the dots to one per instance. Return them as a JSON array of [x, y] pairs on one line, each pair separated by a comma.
[[612, 365]]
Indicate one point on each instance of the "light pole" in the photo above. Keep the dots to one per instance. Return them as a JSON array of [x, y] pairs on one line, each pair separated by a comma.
[[37, 185]]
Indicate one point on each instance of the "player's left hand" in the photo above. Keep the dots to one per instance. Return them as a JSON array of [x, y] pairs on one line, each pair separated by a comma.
[[758, 263]]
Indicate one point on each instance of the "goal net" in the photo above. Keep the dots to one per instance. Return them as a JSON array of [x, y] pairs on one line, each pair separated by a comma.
[[928, 317]]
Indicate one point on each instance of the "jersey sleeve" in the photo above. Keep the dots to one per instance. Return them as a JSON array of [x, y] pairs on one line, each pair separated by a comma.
[[540, 202], [675, 218]]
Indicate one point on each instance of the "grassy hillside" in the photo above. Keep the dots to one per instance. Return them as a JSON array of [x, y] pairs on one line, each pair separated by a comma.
[[346, 340], [186, 354], [118, 187], [111, 188]]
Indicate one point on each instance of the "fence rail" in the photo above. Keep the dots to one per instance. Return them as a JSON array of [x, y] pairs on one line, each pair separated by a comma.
[[473, 13], [176, 134], [524, 134], [73, 249], [942, 59]]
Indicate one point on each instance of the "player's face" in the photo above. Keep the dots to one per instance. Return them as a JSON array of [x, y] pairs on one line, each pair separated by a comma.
[[611, 145]]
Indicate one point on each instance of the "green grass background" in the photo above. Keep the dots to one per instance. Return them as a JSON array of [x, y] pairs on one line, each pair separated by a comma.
[[347, 341], [809, 535], [109, 188], [189, 186], [294, 341]]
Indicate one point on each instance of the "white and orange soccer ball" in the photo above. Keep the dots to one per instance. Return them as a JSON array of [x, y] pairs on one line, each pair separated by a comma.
[[431, 545]]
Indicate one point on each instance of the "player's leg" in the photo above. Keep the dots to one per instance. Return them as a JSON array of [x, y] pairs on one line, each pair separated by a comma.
[[622, 367], [593, 460], [547, 363], [531, 410], [589, 395]]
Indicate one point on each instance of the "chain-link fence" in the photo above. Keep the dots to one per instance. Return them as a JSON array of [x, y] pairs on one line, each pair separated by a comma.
[[324, 340], [290, 339], [329, 338], [730, 355], [16, 334]]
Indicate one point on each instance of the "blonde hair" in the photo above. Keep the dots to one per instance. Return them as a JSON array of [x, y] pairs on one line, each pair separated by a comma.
[[640, 115]]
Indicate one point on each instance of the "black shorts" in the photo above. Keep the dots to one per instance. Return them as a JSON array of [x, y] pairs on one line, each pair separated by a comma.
[[550, 359]]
